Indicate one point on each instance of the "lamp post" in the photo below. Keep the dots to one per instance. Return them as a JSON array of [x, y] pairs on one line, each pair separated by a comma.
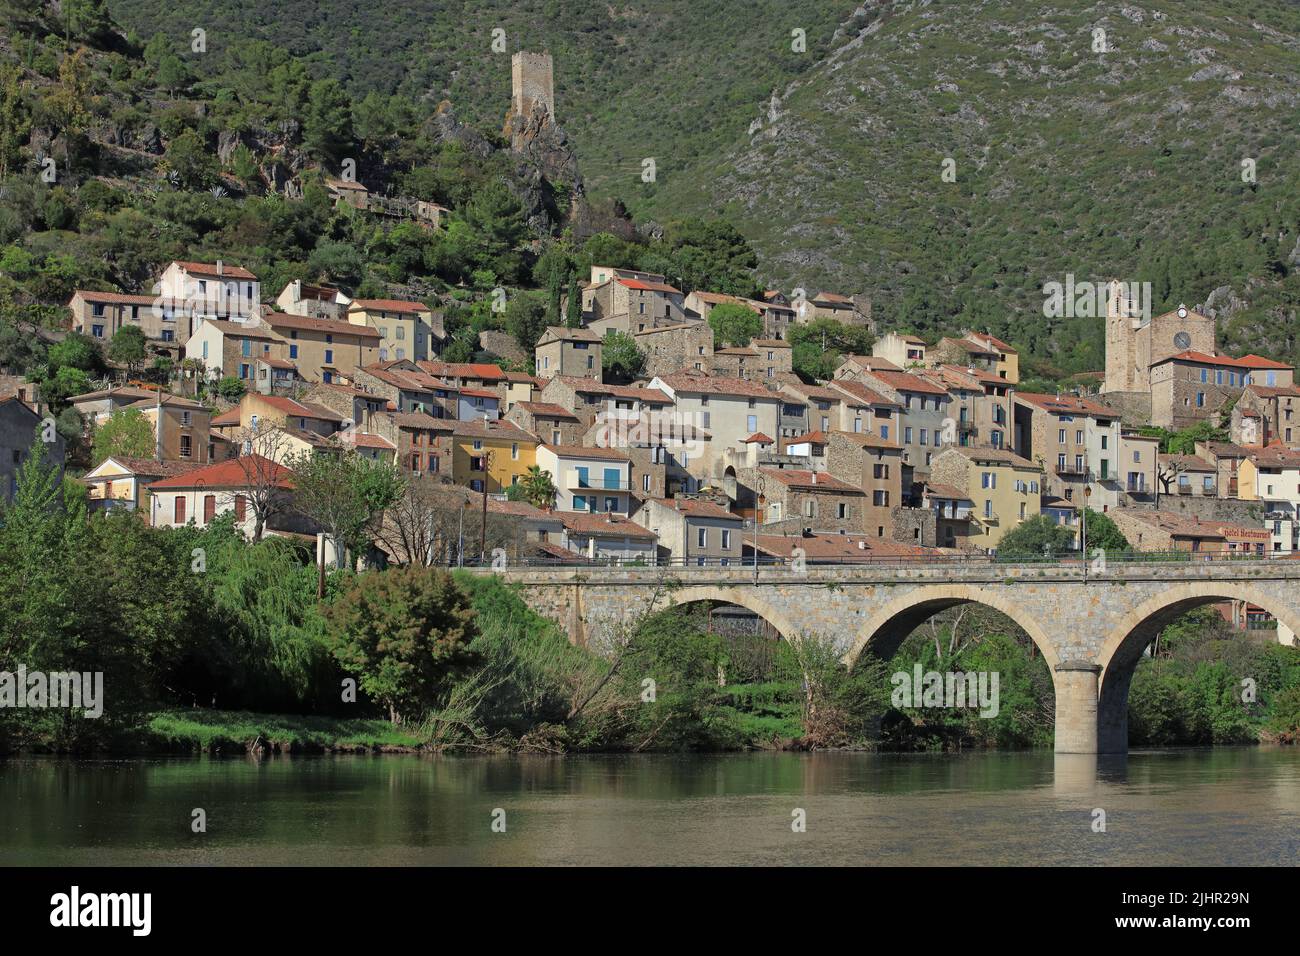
[[759, 486], [487, 473]]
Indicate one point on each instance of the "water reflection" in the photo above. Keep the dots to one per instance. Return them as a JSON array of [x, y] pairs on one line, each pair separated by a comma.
[[1168, 807]]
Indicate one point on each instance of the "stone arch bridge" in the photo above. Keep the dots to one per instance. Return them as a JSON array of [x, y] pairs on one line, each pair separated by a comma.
[[1091, 630]]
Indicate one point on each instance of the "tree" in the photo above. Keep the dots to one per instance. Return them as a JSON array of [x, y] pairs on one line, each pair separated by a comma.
[[15, 119], [265, 485], [405, 633], [734, 324], [620, 356], [573, 305], [1104, 533], [327, 127], [128, 348], [230, 388], [537, 488], [1036, 537], [194, 165], [126, 433], [346, 495], [526, 318]]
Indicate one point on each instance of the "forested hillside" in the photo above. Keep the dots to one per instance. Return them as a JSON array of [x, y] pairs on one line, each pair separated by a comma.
[[817, 157]]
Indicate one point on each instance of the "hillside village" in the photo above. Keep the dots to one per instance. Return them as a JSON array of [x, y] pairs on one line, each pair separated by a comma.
[[712, 451]]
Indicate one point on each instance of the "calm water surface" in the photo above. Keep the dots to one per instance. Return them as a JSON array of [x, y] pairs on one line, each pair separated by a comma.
[[1225, 806]]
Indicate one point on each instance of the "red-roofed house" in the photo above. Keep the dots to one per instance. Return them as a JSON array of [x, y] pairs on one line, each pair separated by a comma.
[[729, 409], [693, 531], [257, 491], [407, 329], [212, 290], [631, 302]]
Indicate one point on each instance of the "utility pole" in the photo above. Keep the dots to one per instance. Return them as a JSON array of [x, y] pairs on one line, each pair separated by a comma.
[[482, 541]]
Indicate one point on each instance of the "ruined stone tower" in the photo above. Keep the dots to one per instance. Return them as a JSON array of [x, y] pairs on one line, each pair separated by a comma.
[[533, 85]]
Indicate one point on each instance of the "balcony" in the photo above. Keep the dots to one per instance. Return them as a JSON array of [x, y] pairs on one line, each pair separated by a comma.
[[1079, 471], [576, 480], [965, 427]]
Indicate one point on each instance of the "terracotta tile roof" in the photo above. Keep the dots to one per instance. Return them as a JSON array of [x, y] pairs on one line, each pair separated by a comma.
[[586, 451], [758, 438], [862, 393], [1066, 404], [1203, 358], [303, 323], [230, 417], [981, 337], [1188, 463], [587, 386], [810, 480], [226, 327], [1274, 391], [490, 428], [481, 370], [479, 393], [647, 286], [555, 551], [1258, 361], [519, 509], [146, 467], [167, 401], [905, 382], [737, 350], [771, 343], [566, 334], [210, 269], [713, 385], [115, 298], [277, 363], [405, 306], [421, 420], [866, 439], [833, 297], [604, 524], [1000, 455], [816, 438], [289, 406], [366, 440], [126, 391], [234, 473], [547, 410], [1174, 524], [408, 379], [938, 490], [697, 508]]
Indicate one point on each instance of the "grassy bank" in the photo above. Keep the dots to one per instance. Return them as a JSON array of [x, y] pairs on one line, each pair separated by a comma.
[[227, 731]]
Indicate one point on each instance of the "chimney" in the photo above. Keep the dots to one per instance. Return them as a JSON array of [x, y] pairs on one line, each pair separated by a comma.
[[814, 477], [221, 268]]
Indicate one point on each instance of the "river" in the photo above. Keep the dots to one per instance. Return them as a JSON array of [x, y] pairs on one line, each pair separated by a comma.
[[1227, 806]]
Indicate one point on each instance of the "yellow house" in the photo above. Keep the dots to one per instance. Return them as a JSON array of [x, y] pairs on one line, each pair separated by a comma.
[[406, 329], [121, 482], [496, 450], [1004, 488]]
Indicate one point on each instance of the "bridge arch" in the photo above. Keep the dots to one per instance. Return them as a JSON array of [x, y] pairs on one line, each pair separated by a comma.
[[890, 623], [747, 597], [1123, 646]]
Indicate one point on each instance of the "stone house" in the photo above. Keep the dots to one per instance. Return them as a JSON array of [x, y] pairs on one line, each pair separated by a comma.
[[588, 399], [925, 409], [687, 346], [313, 301], [797, 499], [324, 350], [18, 436], [166, 324], [608, 538], [876, 466], [233, 348], [408, 388], [1151, 530], [900, 348], [551, 423], [406, 329], [491, 454], [693, 531], [632, 304], [1004, 488], [1276, 415], [203, 494], [1191, 387], [1077, 442], [729, 409], [565, 351], [211, 290]]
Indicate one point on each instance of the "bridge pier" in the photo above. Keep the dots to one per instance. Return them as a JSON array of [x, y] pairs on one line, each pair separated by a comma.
[[1076, 707]]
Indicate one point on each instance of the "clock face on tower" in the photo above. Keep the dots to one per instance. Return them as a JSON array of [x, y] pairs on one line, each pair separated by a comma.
[[1182, 340]]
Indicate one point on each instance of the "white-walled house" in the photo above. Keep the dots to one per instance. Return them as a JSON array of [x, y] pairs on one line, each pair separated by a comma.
[[204, 494], [591, 480], [729, 409], [212, 290]]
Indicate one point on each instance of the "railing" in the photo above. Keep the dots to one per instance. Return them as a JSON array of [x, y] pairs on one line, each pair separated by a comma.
[[1070, 559], [575, 480]]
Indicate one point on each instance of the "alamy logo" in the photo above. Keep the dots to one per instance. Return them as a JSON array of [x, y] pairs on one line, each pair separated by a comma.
[[58, 689], [1090, 300], [953, 689], [103, 909]]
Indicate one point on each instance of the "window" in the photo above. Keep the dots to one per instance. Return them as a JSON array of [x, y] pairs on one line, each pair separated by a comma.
[[178, 509], [612, 504], [880, 498], [186, 450], [243, 370], [1207, 484], [645, 482], [476, 463], [1078, 437], [884, 432], [751, 423], [988, 479], [702, 537], [293, 350], [209, 508], [514, 451], [826, 423], [726, 539], [97, 331], [925, 436], [907, 435], [476, 484], [842, 510], [1060, 436], [329, 356], [478, 444], [988, 508], [810, 508]]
